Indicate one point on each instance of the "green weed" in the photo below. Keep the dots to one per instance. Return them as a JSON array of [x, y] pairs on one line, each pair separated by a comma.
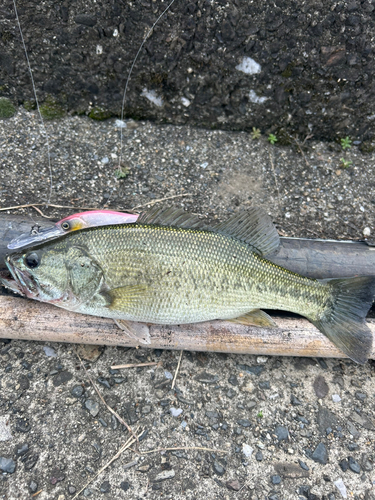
[[272, 138], [346, 143]]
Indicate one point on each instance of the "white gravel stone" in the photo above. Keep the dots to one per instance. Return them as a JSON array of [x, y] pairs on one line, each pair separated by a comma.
[[175, 412], [247, 450], [166, 474], [341, 487], [249, 66], [49, 351], [5, 433]]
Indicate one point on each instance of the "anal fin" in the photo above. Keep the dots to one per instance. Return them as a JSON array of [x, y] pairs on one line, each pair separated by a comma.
[[136, 331], [255, 318]]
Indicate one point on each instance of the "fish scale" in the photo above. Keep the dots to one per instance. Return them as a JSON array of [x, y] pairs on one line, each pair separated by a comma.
[[194, 275]]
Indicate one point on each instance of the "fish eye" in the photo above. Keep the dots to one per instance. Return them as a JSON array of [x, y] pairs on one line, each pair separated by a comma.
[[32, 260], [65, 226]]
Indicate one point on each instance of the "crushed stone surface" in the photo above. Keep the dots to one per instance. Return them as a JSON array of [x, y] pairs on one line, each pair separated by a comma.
[[309, 422]]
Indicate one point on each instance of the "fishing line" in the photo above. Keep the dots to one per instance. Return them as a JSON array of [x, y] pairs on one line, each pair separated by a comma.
[[43, 128], [131, 70]]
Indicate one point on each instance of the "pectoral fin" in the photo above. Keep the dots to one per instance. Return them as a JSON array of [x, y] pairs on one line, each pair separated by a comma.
[[255, 318], [124, 297], [137, 331]]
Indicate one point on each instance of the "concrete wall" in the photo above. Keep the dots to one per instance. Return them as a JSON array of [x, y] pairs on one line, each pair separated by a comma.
[[302, 67]]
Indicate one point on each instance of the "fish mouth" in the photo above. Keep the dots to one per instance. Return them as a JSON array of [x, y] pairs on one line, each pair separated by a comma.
[[23, 282]]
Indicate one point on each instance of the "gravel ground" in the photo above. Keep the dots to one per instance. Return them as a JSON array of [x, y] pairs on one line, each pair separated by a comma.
[[291, 428]]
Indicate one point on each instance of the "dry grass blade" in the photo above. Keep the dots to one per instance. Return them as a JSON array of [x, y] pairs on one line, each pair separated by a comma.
[[121, 420], [275, 178], [176, 372], [299, 146], [161, 199], [41, 213], [118, 367], [124, 447], [200, 448], [34, 205]]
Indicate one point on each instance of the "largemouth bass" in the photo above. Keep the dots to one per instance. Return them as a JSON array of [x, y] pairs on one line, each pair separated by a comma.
[[170, 268]]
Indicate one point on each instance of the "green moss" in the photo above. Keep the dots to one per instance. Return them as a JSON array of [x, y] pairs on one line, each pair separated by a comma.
[[51, 109], [100, 114], [367, 147], [6, 108], [29, 105], [287, 73], [283, 137], [158, 78]]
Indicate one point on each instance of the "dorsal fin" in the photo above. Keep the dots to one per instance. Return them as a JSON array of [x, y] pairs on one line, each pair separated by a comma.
[[253, 227], [176, 217]]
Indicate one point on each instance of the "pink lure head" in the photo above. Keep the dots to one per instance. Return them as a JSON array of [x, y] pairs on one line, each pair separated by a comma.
[[71, 223]]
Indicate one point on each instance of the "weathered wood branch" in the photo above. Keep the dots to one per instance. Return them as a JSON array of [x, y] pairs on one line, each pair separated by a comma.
[[30, 320]]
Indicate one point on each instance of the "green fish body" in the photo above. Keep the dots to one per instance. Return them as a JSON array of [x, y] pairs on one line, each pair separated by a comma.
[[169, 268]]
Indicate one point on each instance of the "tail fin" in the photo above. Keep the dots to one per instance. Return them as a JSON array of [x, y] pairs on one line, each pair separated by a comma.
[[343, 322]]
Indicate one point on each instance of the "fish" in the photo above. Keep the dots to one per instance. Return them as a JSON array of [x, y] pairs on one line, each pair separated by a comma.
[[170, 267], [73, 222]]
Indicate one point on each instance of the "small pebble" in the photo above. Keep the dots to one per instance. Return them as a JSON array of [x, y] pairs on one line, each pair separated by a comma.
[[341, 487], [218, 468], [93, 407], [303, 465], [168, 375], [336, 398], [49, 351], [175, 412], [234, 485], [103, 381], [166, 474], [344, 465], [125, 485], [77, 391], [120, 123], [33, 486], [282, 433], [247, 450], [354, 465], [320, 454], [366, 231], [22, 449], [320, 387], [7, 465], [105, 487], [276, 479]]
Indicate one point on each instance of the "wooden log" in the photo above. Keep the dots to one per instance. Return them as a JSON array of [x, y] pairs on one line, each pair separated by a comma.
[[31, 320]]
